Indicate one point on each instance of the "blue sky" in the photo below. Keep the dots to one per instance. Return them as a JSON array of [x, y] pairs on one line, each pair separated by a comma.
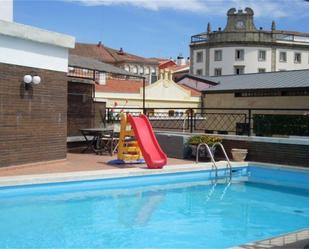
[[152, 28]]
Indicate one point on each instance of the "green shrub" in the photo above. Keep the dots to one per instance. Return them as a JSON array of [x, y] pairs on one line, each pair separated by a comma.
[[198, 139], [270, 124]]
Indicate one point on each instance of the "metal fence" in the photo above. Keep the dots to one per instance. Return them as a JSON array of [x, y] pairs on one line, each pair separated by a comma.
[[254, 121]]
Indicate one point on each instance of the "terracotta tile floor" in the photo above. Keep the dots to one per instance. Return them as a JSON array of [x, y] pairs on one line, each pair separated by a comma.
[[74, 162]]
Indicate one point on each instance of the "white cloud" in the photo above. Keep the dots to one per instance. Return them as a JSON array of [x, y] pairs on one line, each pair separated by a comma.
[[262, 8]]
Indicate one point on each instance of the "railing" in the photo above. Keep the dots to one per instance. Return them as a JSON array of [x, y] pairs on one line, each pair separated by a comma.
[[199, 38], [291, 37], [237, 121]]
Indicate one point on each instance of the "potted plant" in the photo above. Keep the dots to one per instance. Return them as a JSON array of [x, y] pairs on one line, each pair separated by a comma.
[[194, 141]]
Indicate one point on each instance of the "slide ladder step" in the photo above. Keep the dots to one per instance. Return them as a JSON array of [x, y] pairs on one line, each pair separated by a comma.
[[129, 157], [131, 149]]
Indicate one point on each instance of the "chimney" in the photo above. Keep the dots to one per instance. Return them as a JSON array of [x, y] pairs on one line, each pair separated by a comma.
[[208, 28], [180, 60], [120, 51], [273, 25]]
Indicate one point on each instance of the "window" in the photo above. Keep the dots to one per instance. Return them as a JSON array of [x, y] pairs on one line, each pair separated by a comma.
[[239, 54], [297, 58], [127, 68], [262, 70], [282, 57], [262, 55], [269, 93], [134, 69], [199, 57], [141, 70], [199, 72], [147, 70], [218, 55], [218, 72], [100, 77], [239, 70]]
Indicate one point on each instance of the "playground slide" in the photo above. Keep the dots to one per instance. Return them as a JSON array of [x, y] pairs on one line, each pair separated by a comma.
[[151, 150]]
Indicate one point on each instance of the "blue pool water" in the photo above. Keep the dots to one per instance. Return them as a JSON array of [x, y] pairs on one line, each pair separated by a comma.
[[170, 211]]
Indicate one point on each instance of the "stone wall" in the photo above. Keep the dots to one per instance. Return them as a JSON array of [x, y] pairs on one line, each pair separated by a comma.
[[32, 122]]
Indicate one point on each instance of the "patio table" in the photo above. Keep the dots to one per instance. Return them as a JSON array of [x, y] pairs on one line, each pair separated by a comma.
[[102, 139]]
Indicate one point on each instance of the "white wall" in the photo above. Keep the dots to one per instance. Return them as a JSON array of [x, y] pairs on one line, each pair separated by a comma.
[[6, 10], [250, 61], [200, 65], [32, 54], [289, 64]]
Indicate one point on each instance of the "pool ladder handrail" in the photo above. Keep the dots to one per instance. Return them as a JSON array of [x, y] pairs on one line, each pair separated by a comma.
[[229, 165], [214, 165]]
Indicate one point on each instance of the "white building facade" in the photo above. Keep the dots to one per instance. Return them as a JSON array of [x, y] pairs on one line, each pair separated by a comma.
[[241, 48]]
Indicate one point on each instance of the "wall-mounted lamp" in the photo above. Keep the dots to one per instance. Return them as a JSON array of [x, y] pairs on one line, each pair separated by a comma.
[[28, 79], [36, 79]]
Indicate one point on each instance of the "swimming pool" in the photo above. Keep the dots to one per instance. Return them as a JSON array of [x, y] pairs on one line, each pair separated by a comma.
[[179, 210]]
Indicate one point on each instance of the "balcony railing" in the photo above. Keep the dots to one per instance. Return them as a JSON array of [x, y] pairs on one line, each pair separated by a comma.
[[250, 122], [199, 38], [292, 38]]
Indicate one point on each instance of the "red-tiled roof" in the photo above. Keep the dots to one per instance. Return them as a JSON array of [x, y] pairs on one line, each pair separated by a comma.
[[132, 86], [120, 86], [109, 55], [177, 68], [95, 51], [167, 64]]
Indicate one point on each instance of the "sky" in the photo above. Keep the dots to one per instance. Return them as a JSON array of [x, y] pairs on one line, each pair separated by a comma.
[[152, 28]]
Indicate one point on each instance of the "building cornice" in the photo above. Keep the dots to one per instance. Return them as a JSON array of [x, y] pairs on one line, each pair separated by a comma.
[[26, 32]]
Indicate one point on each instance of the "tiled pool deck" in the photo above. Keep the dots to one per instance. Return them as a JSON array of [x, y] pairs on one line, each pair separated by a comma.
[[75, 162]]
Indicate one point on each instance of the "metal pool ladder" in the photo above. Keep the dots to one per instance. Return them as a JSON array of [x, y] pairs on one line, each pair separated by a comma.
[[228, 165], [209, 151], [214, 165]]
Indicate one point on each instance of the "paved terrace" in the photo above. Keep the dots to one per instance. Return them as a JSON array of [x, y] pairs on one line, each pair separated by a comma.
[[76, 162]]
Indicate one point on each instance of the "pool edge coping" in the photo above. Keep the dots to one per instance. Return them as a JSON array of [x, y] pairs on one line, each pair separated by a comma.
[[21, 180], [284, 241]]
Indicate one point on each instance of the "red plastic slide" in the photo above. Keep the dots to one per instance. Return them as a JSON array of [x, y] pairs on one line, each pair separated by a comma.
[[147, 141]]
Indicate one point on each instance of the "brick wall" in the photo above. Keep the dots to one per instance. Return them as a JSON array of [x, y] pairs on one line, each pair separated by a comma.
[[289, 154], [32, 122]]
